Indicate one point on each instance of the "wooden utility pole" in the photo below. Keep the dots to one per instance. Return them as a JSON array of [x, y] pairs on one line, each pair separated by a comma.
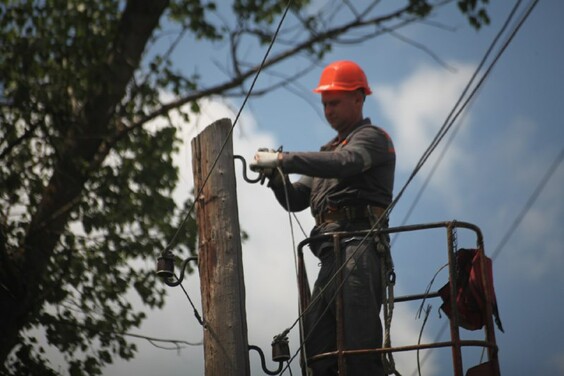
[[220, 256]]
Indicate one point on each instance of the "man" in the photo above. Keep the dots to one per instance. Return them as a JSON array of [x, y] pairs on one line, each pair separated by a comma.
[[347, 185]]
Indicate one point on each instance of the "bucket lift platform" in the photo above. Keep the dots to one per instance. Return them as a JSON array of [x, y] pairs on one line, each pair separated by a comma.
[[456, 343]]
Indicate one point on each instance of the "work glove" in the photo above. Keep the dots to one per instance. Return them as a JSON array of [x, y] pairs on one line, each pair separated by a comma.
[[265, 159]]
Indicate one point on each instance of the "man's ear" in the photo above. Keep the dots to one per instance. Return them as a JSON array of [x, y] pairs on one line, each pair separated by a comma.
[[359, 96]]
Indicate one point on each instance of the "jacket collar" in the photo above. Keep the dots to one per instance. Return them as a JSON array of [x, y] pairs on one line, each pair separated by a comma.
[[331, 145]]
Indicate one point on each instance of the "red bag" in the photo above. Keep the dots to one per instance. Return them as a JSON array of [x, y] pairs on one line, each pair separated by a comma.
[[470, 294]]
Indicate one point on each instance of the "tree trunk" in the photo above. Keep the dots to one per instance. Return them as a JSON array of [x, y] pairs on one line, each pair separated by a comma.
[[22, 271]]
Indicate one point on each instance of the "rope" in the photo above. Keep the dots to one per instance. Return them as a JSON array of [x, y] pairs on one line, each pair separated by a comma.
[[388, 281]]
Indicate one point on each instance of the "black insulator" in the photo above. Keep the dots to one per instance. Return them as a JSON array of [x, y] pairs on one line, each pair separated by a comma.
[[280, 349], [165, 265]]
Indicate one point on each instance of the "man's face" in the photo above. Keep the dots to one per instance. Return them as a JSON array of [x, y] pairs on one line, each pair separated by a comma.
[[342, 109]]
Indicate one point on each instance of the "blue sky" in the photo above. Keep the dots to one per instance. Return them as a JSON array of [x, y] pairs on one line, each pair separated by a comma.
[[508, 137]]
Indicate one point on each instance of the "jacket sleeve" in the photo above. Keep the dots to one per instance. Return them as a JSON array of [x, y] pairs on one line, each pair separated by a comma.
[[298, 194], [366, 147]]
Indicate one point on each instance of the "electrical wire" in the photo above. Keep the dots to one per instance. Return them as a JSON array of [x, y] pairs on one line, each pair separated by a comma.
[[334, 296], [447, 125], [530, 202], [183, 223], [438, 138], [534, 196], [526, 14], [196, 313], [423, 159], [450, 117], [191, 209]]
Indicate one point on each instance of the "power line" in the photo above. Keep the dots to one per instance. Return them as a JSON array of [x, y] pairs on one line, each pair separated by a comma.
[[534, 196], [440, 135], [183, 223], [227, 138], [550, 171], [530, 202], [450, 119], [447, 125]]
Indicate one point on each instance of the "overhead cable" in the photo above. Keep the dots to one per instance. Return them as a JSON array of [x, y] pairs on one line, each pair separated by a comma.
[[530, 202], [536, 193], [183, 223], [450, 119], [526, 14], [438, 138], [447, 125], [172, 242]]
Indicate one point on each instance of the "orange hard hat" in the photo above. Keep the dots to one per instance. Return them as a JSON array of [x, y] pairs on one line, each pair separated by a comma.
[[343, 75]]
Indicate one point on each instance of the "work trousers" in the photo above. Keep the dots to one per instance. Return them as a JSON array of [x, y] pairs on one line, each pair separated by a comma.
[[362, 300]]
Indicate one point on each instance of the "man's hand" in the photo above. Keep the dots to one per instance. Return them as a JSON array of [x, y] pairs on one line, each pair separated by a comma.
[[265, 159]]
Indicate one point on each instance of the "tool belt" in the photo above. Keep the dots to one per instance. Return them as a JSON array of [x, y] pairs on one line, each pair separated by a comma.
[[350, 213]]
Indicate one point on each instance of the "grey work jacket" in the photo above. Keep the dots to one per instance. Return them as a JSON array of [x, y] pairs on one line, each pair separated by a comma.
[[356, 171]]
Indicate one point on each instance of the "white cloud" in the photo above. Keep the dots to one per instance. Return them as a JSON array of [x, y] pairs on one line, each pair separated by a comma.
[[536, 247], [416, 109], [488, 173], [510, 171], [418, 106]]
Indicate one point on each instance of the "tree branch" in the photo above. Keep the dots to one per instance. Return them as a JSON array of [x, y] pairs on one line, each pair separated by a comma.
[[239, 79], [27, 134], [93, 329], [70, 172]]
